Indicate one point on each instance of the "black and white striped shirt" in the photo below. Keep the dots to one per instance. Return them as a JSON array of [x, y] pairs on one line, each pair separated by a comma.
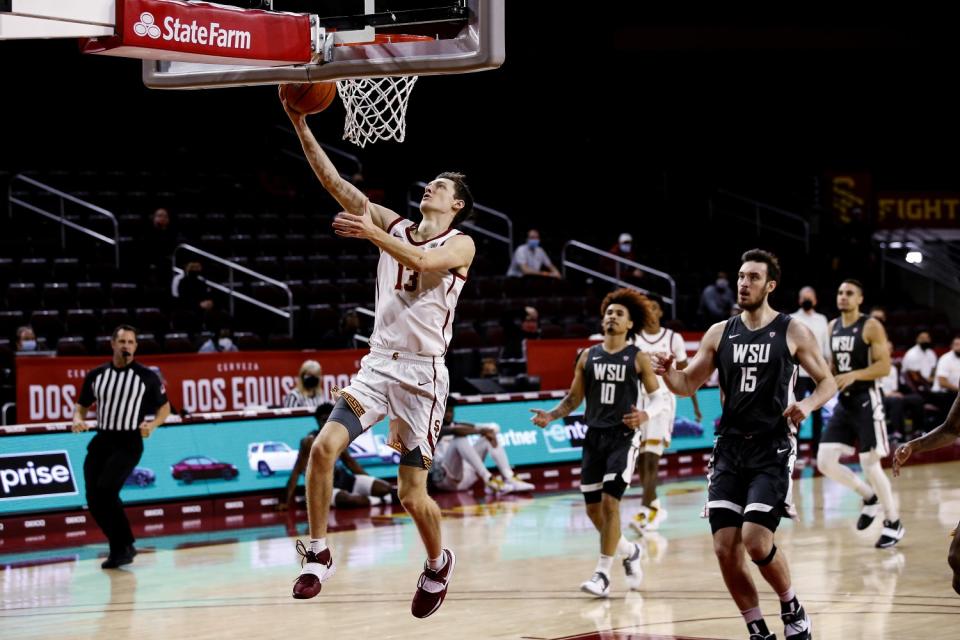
[[123, 396], [297, 398]]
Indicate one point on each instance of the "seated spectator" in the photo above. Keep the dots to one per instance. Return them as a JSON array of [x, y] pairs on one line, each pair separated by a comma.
[[898, 405], [518, 327], [224, 342], [352, 486], [946, 379], [458, 464], [189, 290], [26, 339], [624, 249], [156, 248], [717, 300], [307, 390], [879, 313], [531, 260], [345, 335], [919, 364], [488, 368]]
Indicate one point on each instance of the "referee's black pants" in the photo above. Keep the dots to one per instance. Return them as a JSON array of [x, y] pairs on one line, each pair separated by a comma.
[[111, 457]]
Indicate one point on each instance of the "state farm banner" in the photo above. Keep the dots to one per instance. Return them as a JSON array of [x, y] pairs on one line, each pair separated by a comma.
[[912, 210], [47, 388], [206, 33]]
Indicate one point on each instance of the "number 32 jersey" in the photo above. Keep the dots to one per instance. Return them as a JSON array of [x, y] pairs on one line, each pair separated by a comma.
[[414, 310], [757, 373]]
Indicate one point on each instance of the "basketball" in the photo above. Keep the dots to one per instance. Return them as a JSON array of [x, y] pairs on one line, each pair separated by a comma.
[[310, 98]]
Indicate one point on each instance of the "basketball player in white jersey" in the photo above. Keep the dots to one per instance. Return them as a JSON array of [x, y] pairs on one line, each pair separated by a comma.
[[656, 433], [421, 272]]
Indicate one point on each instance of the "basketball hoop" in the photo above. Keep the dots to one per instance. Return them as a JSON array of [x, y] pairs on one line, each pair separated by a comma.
[[377, 107]]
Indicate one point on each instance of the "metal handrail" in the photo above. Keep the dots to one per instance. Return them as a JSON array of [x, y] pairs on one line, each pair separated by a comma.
[[3, 412], [760, 207], [64, 223], [229, 287], [615, 279], [414, 205]]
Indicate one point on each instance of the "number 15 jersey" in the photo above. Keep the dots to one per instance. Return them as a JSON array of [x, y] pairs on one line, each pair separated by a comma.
[[757, 373], [414, 310]]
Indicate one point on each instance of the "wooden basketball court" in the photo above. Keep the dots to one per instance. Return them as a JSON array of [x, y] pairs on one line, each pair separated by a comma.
[[520, 562]]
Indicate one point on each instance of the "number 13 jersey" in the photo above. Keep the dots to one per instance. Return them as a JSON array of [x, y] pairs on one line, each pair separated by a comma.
[[757, 374], [414, 310]]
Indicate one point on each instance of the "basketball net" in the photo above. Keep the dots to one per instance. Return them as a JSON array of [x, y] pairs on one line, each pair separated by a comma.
[[376, 108]]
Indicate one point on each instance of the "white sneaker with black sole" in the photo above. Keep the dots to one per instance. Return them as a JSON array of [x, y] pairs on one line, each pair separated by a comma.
[[598, 585], [892, 534]]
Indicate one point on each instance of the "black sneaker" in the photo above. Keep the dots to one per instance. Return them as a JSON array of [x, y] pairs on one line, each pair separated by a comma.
[[796, 623], [758, 630], [117, 559], [868, 512], [892, 534]]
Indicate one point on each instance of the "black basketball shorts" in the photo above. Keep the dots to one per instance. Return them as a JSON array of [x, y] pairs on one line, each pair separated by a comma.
[[858, 418], [609, 455], [750, 480]]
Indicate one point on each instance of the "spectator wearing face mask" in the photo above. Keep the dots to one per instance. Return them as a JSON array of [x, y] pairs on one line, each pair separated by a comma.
[[717, 300], [307, 391], [224, 342], [624, 249], [26, 339], [919, 364], [531, 260]]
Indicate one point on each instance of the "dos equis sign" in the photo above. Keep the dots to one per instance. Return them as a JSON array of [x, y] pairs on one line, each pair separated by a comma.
[[36, 475]]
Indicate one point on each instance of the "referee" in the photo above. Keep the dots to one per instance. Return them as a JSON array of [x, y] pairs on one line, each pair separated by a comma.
[[124, 392]]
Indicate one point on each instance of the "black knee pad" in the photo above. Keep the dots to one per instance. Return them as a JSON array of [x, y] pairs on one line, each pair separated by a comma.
[[343, 414], [592, 497], [767, 560], [766, 519], [615, 488], [723, 518]]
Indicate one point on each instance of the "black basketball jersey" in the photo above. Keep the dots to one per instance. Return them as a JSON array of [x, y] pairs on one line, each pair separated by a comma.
[[756, 375], [851, 352], [610, 384]]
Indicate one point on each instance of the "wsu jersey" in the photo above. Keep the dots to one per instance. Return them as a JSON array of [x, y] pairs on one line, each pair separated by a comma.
[[414, 310], [756, 375], [850, 352], [610, 382]]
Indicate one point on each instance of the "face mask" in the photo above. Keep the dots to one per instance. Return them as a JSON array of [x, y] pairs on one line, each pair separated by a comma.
[[533, 244], [925, 345], [807, 305], [28, 345], [310, 382], [225, 344], [722, 283], [625, 247]]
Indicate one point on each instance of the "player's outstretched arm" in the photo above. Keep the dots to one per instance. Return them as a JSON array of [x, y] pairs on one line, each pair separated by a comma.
[[349, 197], [808, 354], [687, 381], [570, 402], [947, 433]]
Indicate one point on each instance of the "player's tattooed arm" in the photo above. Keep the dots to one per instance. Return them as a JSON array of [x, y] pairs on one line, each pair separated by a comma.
[[570, 402]]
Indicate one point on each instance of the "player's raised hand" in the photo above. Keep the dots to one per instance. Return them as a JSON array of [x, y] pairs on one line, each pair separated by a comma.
[[796, 413], [662, 362], [540, 417], [900, 457], [350, 225], [294, 115]]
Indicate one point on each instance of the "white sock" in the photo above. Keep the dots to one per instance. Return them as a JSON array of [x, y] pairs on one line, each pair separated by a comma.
[[624, 548], [881, 483], [655, 504], [604, 564], [374, 501], [437, 563], [318, 544], [387, 499]]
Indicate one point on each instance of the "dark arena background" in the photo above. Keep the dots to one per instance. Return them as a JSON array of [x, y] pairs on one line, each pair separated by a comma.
[[646, 147]]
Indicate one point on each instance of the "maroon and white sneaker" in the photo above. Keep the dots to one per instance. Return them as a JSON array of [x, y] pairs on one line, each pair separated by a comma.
[[317, 569], [432, 587]]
